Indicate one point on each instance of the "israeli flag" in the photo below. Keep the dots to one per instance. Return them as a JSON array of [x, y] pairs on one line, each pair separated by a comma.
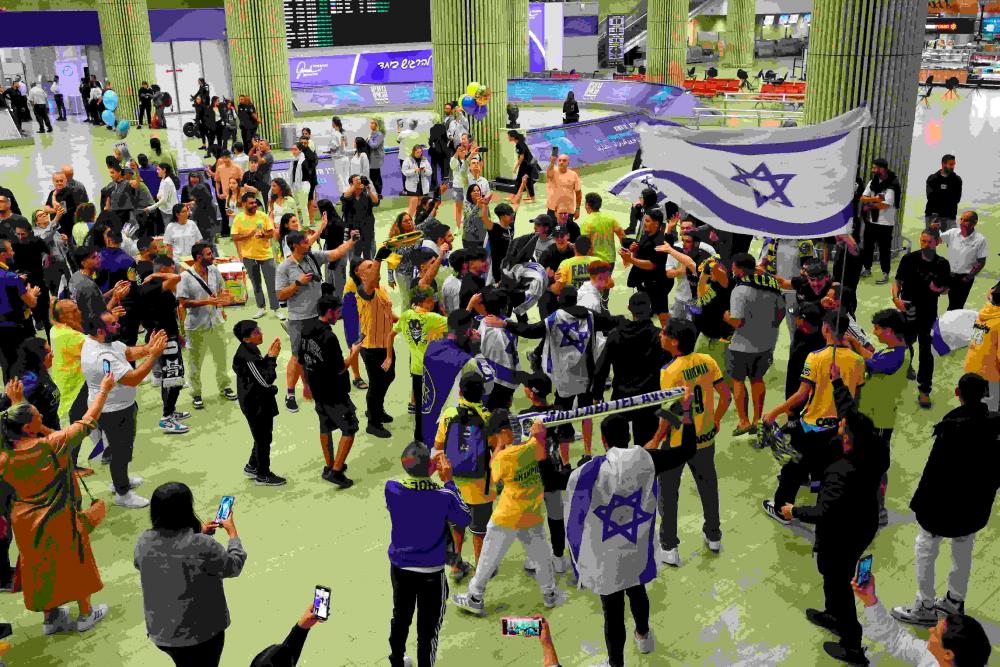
[[952, 331], [780, 182]]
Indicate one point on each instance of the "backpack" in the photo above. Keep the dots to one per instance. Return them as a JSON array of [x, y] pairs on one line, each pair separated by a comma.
[[168, 101], [466, 446]]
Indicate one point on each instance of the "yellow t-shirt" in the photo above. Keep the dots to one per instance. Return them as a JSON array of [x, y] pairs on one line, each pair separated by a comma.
[[821, 410], [575, 271], [254, 248], [471, 490], [520, 504], [600, 227], [701, 373]]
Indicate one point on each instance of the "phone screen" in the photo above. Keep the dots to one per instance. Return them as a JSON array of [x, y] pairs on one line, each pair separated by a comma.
[[516, 626], [321, 602], [225, 508], [107, 366], [555, 151], [864, 570]]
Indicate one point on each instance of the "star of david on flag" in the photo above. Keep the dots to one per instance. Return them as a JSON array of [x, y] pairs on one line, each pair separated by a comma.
[[573, 335], [630, 529], [779, 182]]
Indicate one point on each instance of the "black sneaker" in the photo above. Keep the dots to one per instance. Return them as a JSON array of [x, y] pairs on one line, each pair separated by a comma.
[[270, 480], [339, 479], [229, 394], [197, 403], [378, 431], [852, 656], [823, 619], [250, 471], [290, 404], [384, 418], [584, 459]]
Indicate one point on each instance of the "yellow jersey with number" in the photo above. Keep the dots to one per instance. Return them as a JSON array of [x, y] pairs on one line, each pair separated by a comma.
[[701, 373], [820, 412]]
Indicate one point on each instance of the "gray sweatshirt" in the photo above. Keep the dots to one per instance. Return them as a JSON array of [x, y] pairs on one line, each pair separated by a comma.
[[181, 574]]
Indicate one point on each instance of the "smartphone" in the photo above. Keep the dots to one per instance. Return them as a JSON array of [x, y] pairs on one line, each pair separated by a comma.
[[225, 508], [864, 570], [107, 366], [555, 151], [520, 626], [321, 602], [484, 149]]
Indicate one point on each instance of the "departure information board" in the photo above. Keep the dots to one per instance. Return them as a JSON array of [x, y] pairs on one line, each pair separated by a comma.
[[319, 23]]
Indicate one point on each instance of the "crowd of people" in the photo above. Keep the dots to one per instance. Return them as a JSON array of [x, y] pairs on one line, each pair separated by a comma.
[[106, 291]]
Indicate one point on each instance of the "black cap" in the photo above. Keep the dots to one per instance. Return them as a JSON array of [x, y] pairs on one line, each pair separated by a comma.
[[816, 269], [416, 459], [543, 219], [560, 230], [539, 383]]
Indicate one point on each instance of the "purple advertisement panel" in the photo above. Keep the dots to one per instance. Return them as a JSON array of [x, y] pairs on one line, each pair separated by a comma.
[[579, 26], [347, 98], [588, 142], [363, 68], [536, 37], [654, 98]]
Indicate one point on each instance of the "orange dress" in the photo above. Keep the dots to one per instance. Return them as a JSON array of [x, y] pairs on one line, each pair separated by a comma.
[[57, 564]]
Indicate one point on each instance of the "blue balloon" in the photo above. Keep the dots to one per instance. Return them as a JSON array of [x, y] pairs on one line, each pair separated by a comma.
[[468, 104], [108, 117], [123, 128], [110, 100]]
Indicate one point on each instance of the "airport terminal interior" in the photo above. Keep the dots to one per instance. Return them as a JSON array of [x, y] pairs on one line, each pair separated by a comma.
[[927, 74]]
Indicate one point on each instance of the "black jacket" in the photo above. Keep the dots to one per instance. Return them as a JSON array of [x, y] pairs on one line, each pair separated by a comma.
[[255, 376], [521, 249], [943, 194], [846, 510], [960, 481], [633, 352]]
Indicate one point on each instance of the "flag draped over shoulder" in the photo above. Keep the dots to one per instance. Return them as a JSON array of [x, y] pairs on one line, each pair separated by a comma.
[[781, 182], [952, 331], [443, 364], [612, 520]]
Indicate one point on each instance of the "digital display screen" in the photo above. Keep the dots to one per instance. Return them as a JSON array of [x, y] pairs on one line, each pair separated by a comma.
[[991, 26], [579, 26], [793, 19], [769, 19], [319, 23], [951, 26], [783, 19]]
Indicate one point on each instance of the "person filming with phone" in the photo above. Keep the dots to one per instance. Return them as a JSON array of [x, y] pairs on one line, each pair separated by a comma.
[[181, 568], [420, 511], [287, 653]]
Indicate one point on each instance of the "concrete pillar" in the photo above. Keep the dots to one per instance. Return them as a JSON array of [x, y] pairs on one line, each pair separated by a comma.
[[470, 44], [666, 41], [868, 52], [517, 44], [740, 19], [258, 55], [128, 51]]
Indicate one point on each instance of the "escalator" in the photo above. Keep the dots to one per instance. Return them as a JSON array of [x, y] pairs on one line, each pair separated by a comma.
[[635, 32]]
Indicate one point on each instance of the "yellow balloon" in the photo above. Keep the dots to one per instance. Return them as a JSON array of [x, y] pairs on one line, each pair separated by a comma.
[[472, 88]]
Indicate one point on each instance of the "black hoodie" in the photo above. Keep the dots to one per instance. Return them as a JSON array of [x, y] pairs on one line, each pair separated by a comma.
[[634, 353], [960, 481]]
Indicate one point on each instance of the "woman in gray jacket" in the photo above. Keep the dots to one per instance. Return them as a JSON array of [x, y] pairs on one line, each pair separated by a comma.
[[181, 568], [376, 142]]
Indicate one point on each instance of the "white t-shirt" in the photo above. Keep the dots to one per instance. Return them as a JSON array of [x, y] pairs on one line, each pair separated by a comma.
[[181, 237], [886, 216], [92, 358], [964, 252]]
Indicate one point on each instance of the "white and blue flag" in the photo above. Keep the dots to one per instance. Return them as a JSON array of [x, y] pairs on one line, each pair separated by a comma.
[[611, 522], [780, 182]]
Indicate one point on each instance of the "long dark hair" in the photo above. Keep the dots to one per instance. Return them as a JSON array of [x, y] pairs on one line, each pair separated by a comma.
[[154, 143], [12, 423], [336, 122], [169, 171], [283, 229], [172, 508], [30, 358], [361, 146], [515, 135], [86, 212], [283, 187]]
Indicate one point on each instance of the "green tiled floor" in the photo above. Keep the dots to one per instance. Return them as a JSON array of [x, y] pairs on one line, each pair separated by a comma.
[[742, 607]]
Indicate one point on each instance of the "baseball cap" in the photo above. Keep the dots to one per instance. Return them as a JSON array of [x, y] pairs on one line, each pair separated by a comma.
[[536, 382], [816, 269], [543, 219], [560, 230], [416, 459]]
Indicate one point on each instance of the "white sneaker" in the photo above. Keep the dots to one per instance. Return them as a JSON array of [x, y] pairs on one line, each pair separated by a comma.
[[280, 315], [529, 566], [715, 546], [560, 564], [259, 314], [63, 623], [173, 427], [646, 644], [133, 483], [554, 598], [131, 500], [84, 623], [671, 557]]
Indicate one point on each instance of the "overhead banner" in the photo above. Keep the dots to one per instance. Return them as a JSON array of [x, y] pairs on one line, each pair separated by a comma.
[[536, 36], [349, 98], [653, 98], [780, 182], [589, 142], [361, 68]]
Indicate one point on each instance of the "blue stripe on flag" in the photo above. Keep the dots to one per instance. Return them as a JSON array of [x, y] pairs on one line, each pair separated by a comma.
[[771, 148], [734, 215], [649, 573], [98, 449], [937, 340], [579, 506]]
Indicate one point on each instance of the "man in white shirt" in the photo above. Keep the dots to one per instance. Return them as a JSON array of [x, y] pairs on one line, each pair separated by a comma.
[[967, 251], [955, 641], [98, 357], [39, 102], [476, 175], [879, 202], [59, 99]]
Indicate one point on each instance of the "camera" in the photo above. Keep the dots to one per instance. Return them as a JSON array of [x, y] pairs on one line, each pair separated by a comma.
[[364, 181]]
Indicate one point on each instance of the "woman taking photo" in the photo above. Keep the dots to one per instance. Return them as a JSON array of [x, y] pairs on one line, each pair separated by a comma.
[[290, 223], [525, 163], [166, 197], [416, 177], [571, 110], [34, 359], [338, 155], [360, 161], [51, 531], [376, 155], [181, 568]]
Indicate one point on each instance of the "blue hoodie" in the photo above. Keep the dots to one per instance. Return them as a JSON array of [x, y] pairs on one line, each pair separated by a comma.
[[419, 510]]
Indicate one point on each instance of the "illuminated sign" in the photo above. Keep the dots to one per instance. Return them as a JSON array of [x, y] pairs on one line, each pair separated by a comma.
[[952, 26]]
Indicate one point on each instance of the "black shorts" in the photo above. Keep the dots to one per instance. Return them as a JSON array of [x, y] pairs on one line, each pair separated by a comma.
[[312, 192], [481, 515], [337, 417]]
